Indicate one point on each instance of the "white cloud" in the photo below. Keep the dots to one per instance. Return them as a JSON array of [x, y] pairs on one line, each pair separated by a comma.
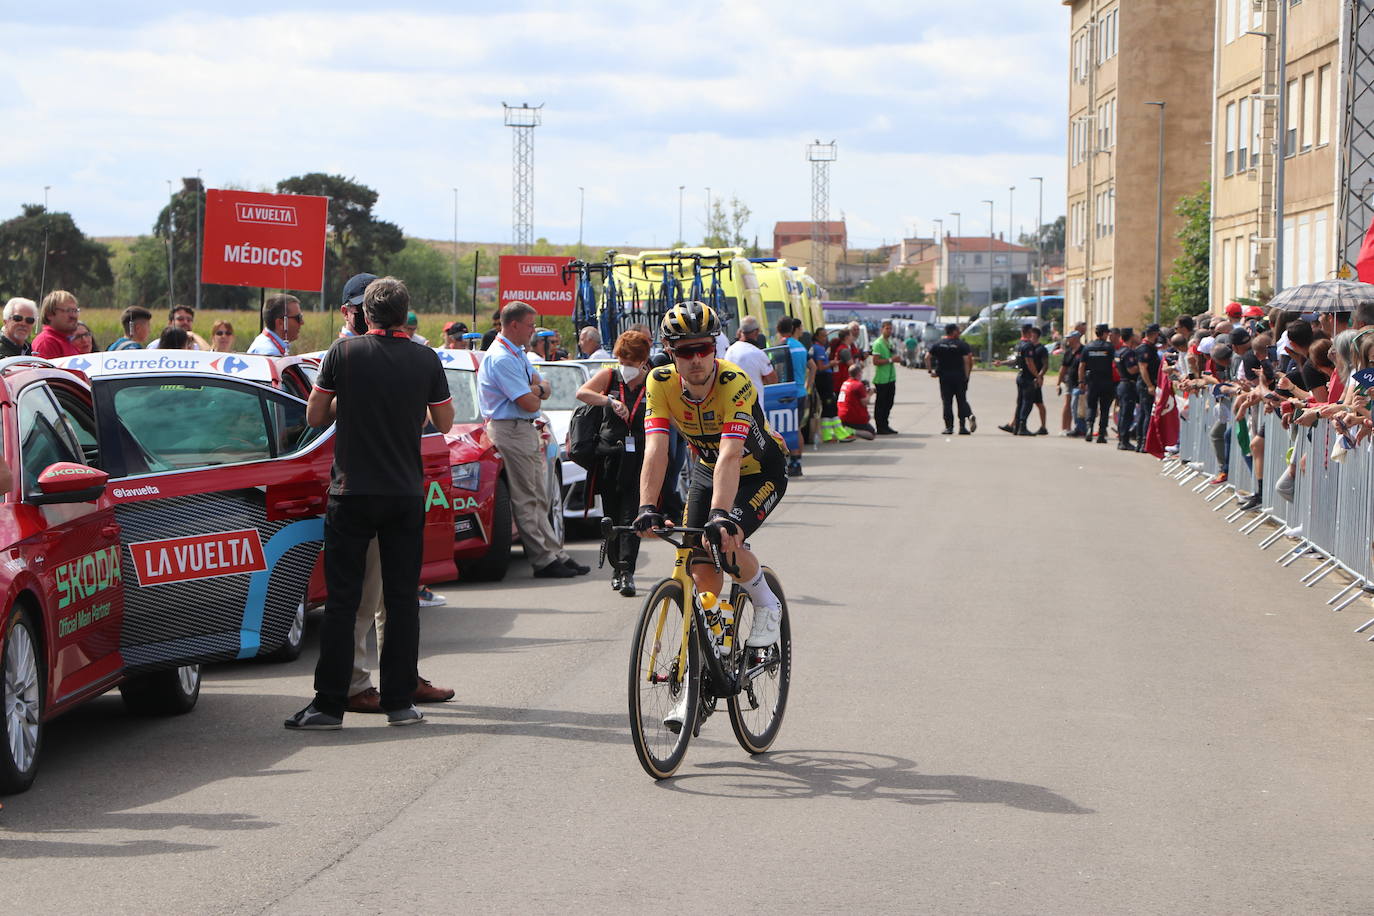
[[928, 117]]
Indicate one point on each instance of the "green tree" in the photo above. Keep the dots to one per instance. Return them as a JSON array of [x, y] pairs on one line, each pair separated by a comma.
[[181, 223], [894, 286], [950, 297], [73, 261], [1189, 281], [725, 229], [357, 241], [1049, 238], [428, 274]]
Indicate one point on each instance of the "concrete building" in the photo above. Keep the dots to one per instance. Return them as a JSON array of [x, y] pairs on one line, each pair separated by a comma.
[[792, 240], [1249, 95], [988, 269], [1124, 56]]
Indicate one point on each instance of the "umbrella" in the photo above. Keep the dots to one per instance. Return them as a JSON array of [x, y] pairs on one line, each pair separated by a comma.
[[1324, 296]]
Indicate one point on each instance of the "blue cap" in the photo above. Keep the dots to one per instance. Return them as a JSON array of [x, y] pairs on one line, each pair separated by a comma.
[[355, 287], [545, 333], [472, 335]]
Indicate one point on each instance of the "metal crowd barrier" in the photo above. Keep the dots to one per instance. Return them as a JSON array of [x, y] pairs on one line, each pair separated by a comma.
[[1331, 514]]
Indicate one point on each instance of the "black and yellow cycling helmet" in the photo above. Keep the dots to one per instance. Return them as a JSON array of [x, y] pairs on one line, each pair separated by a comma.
[[690, 319]]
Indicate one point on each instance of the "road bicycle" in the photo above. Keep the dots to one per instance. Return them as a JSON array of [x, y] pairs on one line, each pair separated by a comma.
[[684, 660]]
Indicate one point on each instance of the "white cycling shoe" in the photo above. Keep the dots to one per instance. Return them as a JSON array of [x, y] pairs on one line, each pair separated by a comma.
[[673, 721], [765, 630]]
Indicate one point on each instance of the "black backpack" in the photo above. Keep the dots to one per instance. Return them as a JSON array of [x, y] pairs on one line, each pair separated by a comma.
[[584, 434]]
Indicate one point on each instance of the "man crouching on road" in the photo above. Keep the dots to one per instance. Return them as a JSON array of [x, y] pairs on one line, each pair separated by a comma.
[[377, 389]]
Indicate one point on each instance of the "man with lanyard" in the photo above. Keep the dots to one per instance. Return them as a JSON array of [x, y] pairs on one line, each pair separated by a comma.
[[951, 361], [281, 324], [740, 474], [1147, 355], [378, 391], [1128, 367], [1095, 368], [511, 391]]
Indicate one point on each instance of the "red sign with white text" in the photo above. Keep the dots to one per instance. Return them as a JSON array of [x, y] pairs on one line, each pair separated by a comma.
[[538, 281], [202, 556], [274, 241]]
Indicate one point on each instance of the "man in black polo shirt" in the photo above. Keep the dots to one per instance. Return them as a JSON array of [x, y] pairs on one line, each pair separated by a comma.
[[378, 389], [951, 361]]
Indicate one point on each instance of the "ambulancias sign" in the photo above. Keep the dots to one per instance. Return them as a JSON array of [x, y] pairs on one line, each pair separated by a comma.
[[538, 281]]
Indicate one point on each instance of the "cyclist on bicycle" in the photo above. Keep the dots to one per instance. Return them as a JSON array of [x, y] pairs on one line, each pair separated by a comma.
[[741, 468]]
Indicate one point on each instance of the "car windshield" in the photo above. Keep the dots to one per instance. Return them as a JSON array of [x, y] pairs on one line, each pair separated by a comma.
[[462, 385], [565, 380]]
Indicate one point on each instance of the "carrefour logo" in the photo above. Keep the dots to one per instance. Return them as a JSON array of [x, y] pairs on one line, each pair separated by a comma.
[[81, 364], [229, 365]]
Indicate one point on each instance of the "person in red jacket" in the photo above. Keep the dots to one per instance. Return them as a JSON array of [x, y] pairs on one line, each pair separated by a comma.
[[60, 317], [853, 405]]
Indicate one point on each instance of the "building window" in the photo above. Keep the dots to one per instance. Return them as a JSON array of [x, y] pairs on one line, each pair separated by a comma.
[[1304, 244], [1257, 130], [1309, 110], [999, 260], [1290, 134], [1230, 166], [1289, 231], [1324, 105], [977, 259], [1319, 271], [1225, 274], [1243, 136]]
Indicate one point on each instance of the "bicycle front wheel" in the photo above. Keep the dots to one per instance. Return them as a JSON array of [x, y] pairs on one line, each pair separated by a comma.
[[756, 711], [663, 691]]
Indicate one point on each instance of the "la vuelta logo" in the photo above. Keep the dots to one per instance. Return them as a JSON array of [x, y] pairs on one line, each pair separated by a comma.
[[265, 214], [202, 556]]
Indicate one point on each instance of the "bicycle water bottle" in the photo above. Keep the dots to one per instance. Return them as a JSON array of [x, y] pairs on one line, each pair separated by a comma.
[[711, 608], [727, 626]]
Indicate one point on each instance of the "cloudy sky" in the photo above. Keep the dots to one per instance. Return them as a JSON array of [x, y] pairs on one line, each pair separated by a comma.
[[935, 106]]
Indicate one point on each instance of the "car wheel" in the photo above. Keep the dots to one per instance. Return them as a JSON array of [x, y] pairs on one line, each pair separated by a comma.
[[21, 673], [162, 693], [290, 650], [492, 567]]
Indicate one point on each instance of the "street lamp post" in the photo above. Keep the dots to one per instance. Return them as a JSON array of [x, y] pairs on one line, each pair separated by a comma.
[[680, 189], [958, 234], [940, 272], [200, 193], [991, 323], [454, 307], [171, 238], [43, 268], [1159, 207], [708, 212], [581, 209], [1040, 250]]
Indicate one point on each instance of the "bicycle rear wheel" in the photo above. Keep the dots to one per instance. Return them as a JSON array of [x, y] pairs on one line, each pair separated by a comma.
[[658, 686], [756, 711]]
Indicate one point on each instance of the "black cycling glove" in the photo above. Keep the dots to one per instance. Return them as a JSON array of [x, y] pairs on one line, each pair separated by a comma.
[[719, 522], [648, 519]]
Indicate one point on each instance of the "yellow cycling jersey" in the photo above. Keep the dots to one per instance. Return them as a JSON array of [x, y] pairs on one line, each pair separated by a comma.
[[731, 410]]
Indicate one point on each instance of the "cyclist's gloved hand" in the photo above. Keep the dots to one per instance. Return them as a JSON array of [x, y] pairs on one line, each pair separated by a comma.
[[648, 518], [719, 522]]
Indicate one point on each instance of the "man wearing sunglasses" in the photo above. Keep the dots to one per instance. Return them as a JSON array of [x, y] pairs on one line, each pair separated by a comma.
[[20, 315], [741, 469], [281, 324]]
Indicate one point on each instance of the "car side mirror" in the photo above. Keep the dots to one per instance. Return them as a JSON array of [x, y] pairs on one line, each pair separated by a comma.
[[68, 482]]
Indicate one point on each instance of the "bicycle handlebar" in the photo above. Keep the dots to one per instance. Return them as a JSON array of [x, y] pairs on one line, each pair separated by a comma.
[[710, 534]]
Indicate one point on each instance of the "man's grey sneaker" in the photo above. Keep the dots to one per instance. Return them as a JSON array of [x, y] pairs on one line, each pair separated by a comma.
[[311, 719], [408, 716]]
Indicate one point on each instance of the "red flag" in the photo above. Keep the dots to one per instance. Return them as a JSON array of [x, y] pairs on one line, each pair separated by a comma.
[[1364, 265], [1164, 418]]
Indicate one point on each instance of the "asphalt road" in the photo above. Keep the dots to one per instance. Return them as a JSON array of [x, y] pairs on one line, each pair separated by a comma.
[[1030, 677]]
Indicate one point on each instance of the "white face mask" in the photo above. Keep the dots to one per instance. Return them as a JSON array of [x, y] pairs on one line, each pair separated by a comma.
[[629, 373]]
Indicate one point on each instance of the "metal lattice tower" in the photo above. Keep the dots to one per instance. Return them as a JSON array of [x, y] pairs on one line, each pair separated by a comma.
[[524, 120], [1355, 195], [820, 155]]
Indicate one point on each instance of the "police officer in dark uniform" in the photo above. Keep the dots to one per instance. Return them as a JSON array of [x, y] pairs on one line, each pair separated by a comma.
[[1029, 381], [1148, 356], [1095, 377], [951, 360], [1128, 367]]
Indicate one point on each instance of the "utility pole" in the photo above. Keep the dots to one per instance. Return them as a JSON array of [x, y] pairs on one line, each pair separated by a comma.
[[454, 307], [958, 234], [940, 273], [581, 207], [1011, 232], [820, 155], [1040, 251], [1159, 206], [680, 189], [708, 212], [524, 120]]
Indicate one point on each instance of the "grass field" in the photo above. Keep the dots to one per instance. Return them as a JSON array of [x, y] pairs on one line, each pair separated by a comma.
[[319, 331]]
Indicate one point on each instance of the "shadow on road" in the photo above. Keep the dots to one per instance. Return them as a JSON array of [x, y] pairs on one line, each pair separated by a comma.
[[860, 776]]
